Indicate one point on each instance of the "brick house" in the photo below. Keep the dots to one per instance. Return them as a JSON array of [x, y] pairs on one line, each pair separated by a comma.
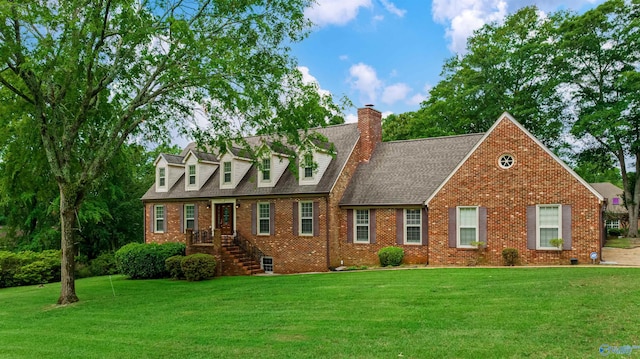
[[436, 197]]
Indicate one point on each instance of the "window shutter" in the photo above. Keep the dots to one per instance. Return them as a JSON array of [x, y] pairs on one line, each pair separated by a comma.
[[453, 228], [531, 227], [164, 219], [295, 219], [349, 226], [195, 216], [372, 226], [482, 225], [425, 227], [253, 218], [566, 227], [152, 217], [272, 218], [316, 219], [182, 226], [399, 226]]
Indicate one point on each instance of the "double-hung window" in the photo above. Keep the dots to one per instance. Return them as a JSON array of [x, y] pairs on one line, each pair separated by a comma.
[[362, 225], [266, 169], [162, 177], [159, 219], [264, 225], [308, 166], [306, 218], [467, 226], [192, 175], [549, 225], [189, 216], [226, 171], [412, 226]]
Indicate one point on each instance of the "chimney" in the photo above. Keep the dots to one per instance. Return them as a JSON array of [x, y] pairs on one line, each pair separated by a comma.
[[370, 127]]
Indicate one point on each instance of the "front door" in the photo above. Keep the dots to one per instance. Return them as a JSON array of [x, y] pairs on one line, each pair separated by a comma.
[[224, 215]]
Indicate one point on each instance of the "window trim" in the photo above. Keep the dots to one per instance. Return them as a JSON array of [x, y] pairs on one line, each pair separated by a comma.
[[186, 219], [406, 226], [266, 170], [539, 227], [356, 225], [506, 161], [259, 218], [300, 218], [308, 165], [459, 226], [263, 266], [226, 172], [162, 177], [190, 176], [156, 219]]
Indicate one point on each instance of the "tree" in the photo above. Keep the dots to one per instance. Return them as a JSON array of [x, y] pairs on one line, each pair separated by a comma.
[[505, 69], [92, 75], [599, 53]]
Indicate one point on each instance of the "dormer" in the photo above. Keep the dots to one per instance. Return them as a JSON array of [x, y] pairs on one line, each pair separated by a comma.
[[198, 167], [271, 166], [313, 163], [233, 167], [169, 169]]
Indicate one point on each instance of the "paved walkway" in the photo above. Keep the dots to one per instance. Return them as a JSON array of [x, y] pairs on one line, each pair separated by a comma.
[[622, 256]]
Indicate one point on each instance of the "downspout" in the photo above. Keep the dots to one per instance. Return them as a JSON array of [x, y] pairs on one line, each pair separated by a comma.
[[603, 226], [326, 200]]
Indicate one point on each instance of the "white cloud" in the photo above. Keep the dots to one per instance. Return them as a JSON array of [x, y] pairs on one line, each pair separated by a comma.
[[351, 118], [307, 78], [395, 93], [344, 57], [462, 17], [378, 18], [364, 79], [335, 12], [391, 7], [386, 114]]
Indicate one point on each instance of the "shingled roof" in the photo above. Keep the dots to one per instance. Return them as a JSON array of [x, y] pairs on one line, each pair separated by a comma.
[[344, 138], [407, 172]]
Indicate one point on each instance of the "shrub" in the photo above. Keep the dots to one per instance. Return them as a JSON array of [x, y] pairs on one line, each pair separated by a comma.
[[391, 256], [104, 264], [510, 256], [26, 268], [37, 272], [144, 261], [615, 232], [198, 266], [174, 267]]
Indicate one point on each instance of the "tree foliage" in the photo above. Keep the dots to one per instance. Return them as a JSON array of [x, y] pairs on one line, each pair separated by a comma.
[[90, 75]]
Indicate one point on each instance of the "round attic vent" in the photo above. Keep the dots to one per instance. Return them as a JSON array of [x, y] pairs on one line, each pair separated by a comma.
[[506, 161]]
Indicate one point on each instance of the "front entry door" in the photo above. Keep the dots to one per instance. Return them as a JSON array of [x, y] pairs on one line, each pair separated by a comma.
[[224, 216]]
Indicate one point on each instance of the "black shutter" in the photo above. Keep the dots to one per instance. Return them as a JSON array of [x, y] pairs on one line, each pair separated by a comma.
[[566, 227], [425, 227], [531, 227], [164, 219], [453, 227], [399, 226], [254, 219], [316, 219], [152, 217], [372, 226], [195, 216], [272, 218], [349, 226], [295, 219], [182, 226], [482, 225]]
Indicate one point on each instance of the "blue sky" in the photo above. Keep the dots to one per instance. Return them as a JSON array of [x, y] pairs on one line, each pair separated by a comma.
[[390, 52]]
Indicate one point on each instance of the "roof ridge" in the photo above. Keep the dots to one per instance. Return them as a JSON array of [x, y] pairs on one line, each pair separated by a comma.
[[435, 138]]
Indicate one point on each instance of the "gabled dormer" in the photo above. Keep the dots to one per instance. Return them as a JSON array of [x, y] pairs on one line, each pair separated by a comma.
[[234, 165], [169, 168], [198, 167], [271, 166], [313, 162]]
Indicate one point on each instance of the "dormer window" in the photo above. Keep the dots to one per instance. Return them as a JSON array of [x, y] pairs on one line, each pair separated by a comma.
[[266, 169], [162, 177], [308, 166], [192, 175], [227, 171]]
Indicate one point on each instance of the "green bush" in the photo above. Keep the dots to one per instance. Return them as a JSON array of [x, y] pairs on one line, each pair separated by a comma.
[[391, 256], [145, 261], [38, 272], [174, 267], [614, 232], [510, 256], [198, 266], [26, 268], [104, 264]]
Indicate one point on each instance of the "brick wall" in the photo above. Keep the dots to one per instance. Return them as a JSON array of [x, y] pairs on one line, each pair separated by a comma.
[[172, 231], [535, 178]]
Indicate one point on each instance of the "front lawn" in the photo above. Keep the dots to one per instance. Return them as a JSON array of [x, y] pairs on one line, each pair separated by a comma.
[[516, 312]]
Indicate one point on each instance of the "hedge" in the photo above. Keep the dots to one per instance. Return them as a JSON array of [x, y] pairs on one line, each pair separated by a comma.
[[146, 261], [28, 268]]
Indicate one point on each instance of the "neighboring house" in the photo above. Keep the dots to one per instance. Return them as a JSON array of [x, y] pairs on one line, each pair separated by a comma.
[[433, 197], [616, 214]]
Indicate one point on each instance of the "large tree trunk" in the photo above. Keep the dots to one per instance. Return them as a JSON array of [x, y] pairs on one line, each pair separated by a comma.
[[68, 206]]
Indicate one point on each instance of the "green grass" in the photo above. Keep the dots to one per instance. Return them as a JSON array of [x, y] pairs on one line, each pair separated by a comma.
[[432, 313], [624, 243]]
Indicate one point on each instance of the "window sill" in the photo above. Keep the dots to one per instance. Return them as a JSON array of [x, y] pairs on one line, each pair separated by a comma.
[[412, 244]]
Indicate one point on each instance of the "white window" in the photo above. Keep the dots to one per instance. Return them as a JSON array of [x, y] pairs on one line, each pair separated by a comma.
[[362, 225], [264, 225], [614, 224], [467, 226], [192, 175], [412, 226], [227, 172], [162, 177], [267, 264], [189, 216], [308, 166], [159, 219], [266, 169], [306, 218], [549, 224]]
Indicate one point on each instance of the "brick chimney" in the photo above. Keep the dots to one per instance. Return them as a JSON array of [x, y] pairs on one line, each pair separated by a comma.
[[370, 127]]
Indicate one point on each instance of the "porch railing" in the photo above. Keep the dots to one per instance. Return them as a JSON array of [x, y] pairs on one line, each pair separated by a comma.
[[251, 249], [202, 236]]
